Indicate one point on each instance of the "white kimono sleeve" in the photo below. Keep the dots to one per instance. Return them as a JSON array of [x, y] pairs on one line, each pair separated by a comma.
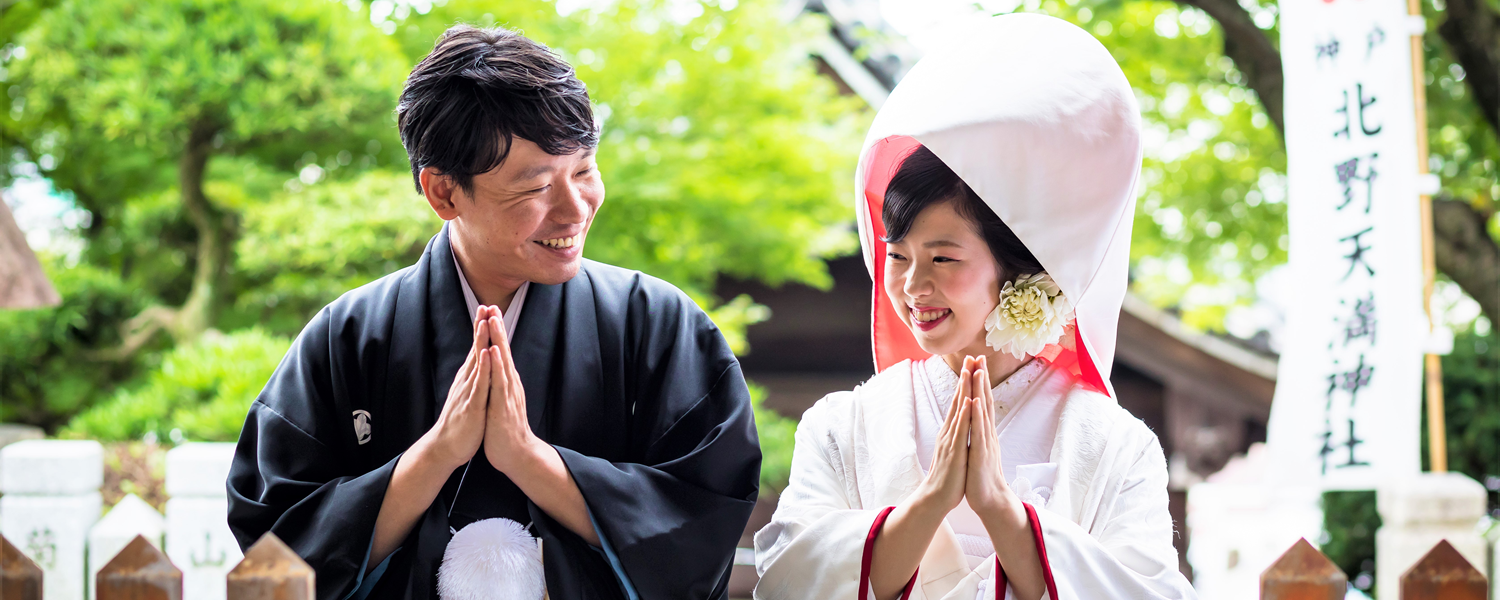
[[1132, 557], [813, 547]]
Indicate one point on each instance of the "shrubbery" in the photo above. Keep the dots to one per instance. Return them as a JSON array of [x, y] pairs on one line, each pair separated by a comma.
[[201, 392], [51, 363]]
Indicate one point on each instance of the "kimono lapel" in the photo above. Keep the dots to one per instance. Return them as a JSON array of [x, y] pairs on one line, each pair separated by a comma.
[[887, 410], [447, 317], [539, 349]]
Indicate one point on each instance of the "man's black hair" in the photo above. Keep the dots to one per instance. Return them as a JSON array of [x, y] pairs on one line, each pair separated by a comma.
[[922, 181], [479, 89]]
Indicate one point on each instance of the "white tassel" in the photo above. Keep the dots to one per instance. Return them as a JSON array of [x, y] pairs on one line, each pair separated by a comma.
[[493, 559]]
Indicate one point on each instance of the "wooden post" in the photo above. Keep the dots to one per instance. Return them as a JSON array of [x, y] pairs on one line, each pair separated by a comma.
[[1303, 573], [1437, 438], [139, 572], [20, 578], [1443, 574], [270, 571]]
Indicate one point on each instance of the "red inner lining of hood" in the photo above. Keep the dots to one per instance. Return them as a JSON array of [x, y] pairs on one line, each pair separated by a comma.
[[891, 339]]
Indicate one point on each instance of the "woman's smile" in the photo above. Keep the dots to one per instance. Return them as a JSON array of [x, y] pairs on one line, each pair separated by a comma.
[[928, 318]]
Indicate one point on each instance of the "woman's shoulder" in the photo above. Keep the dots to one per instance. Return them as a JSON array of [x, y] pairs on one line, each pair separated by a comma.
[[841, 408], [1096, 411]]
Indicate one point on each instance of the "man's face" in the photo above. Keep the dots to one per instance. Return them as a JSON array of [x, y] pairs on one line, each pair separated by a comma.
[[525, 220]]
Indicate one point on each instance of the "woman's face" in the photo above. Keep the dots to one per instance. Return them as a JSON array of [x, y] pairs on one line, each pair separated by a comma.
[[943, 281]]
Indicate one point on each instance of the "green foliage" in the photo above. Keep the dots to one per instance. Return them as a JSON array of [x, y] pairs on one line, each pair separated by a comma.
[[273, 78], [1350, 520], [47, 372], [777, 436], [724, 151], [1471, 410], [202, 391], [303, 248]]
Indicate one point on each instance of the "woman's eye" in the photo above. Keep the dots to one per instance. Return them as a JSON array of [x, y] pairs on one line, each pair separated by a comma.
[[941, 259], [894, 256]]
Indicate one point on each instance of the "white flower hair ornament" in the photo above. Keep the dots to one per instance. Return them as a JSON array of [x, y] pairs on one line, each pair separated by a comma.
[[1033, 312]]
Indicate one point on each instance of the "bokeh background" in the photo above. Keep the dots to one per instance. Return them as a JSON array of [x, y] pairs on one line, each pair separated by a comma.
[[199, 177]]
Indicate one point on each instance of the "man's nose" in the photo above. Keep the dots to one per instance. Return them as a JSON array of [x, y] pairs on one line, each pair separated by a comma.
[[571, 207]]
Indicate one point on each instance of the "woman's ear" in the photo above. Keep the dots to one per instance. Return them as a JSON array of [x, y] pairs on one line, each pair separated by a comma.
[[440, 191]]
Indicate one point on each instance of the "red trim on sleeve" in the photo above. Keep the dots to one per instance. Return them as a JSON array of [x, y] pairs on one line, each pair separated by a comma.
[[869, 558], [1001, 581], [1041, 550]]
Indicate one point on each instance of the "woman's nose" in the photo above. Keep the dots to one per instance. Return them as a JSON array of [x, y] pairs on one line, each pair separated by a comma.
[[917, 283]]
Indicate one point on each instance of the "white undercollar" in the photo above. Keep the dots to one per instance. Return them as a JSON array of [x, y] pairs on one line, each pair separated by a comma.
[[510, 315]]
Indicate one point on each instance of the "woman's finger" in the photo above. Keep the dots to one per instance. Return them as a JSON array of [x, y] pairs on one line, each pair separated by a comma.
[[960, 437]]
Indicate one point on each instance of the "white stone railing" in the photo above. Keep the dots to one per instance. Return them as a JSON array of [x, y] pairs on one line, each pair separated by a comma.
[[50, 509]]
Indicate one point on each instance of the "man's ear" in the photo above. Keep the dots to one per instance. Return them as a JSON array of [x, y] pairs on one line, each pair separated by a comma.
[[440, 191]]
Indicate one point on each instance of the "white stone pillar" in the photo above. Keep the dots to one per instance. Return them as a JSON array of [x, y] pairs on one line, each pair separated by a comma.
[[129, 518], [51, 499], [198, 537], [1418, 512]]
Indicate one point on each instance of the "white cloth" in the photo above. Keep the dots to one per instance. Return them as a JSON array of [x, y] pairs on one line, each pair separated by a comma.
[[1037, 118], [1026, 425], [1106, 527], [509, 316]]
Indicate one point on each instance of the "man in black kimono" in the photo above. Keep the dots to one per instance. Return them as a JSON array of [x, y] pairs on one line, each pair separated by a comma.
[[600, 407]]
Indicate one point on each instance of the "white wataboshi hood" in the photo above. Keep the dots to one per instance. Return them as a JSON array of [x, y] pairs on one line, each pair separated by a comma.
[[1037, 118]]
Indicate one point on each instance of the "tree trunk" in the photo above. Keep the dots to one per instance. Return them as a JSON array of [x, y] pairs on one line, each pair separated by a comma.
[[1466, 252], [1252, 51], [1470, 33], [216, 231]]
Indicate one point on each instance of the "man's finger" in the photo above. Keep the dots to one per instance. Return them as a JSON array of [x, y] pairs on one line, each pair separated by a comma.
[[481, 393]]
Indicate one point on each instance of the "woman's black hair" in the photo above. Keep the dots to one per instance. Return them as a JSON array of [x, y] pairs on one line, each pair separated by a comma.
[[922, 181]]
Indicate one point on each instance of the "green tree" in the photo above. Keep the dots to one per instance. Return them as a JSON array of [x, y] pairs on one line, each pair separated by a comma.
[[724, 151], [240, 167], [172, 86]]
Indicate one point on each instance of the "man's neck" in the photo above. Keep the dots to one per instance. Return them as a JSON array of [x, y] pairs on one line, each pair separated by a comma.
[[489, 288]]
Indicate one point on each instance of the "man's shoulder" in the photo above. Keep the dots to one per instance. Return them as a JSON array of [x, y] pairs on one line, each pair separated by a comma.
[[374, 296], [632, 286], [363, 313]]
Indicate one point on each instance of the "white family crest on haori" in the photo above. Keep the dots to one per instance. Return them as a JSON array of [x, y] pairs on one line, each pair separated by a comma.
[[362, 426], [1037, 118], [492, 559], [1032, 313]]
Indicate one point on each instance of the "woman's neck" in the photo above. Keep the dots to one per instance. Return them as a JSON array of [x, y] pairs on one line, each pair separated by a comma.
[[1001, 364]]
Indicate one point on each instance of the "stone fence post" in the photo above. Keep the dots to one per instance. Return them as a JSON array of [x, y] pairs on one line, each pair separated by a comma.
[[1418, 512], [198, 536], [51, 499]]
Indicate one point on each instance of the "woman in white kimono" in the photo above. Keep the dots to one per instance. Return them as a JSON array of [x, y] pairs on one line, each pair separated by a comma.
[[988, 457]]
